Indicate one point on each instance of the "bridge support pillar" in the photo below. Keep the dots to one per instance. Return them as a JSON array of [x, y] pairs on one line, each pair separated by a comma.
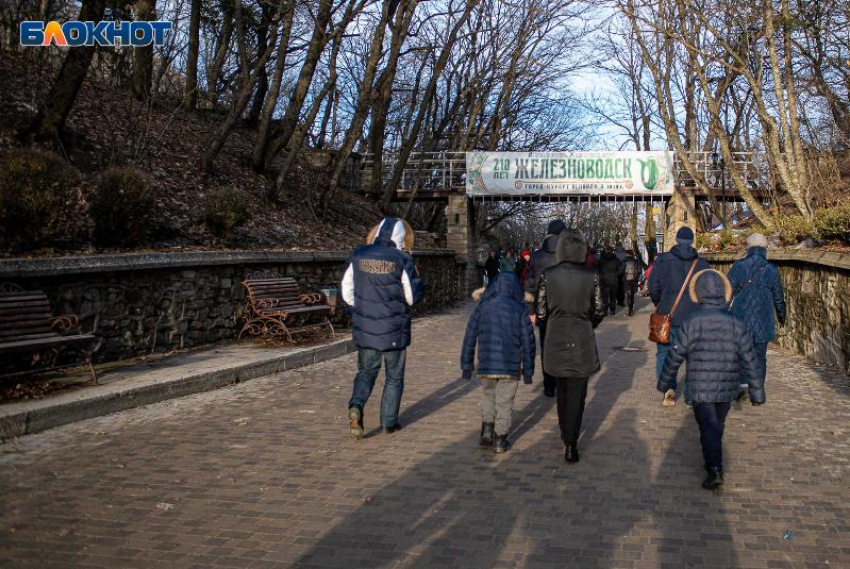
[[681, 212], [460, 218]]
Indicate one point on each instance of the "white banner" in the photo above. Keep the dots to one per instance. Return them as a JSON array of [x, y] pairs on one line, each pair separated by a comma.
[[623, 173]]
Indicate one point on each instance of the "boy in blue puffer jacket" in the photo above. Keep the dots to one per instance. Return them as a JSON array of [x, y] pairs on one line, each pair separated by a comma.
[[719, 350], [502, 329]]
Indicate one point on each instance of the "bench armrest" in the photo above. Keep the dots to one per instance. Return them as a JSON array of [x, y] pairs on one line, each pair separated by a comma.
[[64, 323], [311, 299]]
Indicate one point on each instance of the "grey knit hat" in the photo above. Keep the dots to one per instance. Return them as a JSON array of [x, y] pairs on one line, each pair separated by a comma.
[[757, 240]]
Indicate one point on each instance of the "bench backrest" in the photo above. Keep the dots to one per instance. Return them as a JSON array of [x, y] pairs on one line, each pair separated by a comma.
[[25, 316], [284, 289]]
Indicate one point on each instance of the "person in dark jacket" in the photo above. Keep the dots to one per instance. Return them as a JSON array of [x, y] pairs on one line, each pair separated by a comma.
[[568, 304], [666, 280], [757, 293], [501, 328], [541, 260], [622, 255], [610, 272], [491, 266], [632, 269], [507, 264], [719, 350], [380, 285]]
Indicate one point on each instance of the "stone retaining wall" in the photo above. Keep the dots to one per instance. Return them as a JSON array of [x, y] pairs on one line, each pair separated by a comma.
[[137, 304], [817, 291]]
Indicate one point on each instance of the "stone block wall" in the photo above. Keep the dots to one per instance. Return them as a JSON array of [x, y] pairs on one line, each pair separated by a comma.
[[817, 291], [138, 304]]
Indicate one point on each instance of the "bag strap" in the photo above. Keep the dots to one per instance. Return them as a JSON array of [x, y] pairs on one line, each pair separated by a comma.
[[682, 290]]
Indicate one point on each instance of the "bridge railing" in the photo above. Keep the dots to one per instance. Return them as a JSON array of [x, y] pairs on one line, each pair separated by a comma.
[[446, 171]]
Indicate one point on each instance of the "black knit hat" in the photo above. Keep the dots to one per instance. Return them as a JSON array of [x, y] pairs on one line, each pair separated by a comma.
[[555, 227]]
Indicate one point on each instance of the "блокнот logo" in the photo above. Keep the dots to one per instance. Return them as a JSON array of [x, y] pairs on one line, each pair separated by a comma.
[[76, 34]]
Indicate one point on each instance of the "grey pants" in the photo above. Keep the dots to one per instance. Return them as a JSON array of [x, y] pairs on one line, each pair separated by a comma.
[[497, 403]]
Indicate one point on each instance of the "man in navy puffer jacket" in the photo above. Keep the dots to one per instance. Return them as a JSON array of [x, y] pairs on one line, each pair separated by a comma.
[[719, 351], [380, 285], [505, 336]]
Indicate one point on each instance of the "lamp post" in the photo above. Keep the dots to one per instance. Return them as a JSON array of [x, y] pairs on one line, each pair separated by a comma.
[[719, 163]]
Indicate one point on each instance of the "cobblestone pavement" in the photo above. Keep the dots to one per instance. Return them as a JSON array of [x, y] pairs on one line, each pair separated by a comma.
[[263, 475]]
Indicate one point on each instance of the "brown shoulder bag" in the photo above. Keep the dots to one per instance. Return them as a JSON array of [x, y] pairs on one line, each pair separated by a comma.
[[659, 324]]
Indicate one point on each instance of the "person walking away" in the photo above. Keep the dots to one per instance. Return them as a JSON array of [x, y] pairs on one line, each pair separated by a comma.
[[520, 266], [644, 284], [541, 260], [568, 303], [622, 255], [719, 350], [610, 271], [668, 278], [502, 330], [380, 285], [758, 295], [507, 264], [491, 266], [631, 276], [590, 263]]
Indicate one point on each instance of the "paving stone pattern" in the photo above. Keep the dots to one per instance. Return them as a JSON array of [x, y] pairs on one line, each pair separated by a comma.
[[263, 475]]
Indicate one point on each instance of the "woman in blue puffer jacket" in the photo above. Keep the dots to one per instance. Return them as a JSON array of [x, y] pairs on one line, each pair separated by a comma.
[[501, 328]]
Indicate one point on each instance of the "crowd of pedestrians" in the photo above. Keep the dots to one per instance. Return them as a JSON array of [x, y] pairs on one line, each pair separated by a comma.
[[719, 327]]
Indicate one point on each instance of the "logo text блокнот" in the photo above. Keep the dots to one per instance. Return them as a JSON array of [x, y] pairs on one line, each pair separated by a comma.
[[75, 33]]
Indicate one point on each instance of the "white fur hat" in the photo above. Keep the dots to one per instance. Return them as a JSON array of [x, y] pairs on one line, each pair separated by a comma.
[[757, 240]]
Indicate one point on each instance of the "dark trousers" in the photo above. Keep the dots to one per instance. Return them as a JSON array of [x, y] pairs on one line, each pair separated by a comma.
[[621, 291], [711, 418], [631, 291], [368, 366], [572, 391], [761, 354], [609, 294], [549, 383]]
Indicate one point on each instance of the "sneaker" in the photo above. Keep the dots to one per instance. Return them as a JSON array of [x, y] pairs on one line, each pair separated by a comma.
[[501, 444], [669, 398], [487, 434], [355, 423], [714, 479]]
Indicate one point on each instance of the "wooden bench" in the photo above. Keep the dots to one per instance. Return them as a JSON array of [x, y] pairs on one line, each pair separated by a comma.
[[27, 326], [274, 303]]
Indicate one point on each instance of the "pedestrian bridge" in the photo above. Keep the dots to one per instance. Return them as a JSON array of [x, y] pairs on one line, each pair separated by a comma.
[[430, 176]]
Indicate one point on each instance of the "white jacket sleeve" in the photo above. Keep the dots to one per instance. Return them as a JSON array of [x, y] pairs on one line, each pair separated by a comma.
[[348, 285], [408, 290]]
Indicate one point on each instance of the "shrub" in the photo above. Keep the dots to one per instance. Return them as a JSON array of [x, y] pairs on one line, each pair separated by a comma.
[[40, 203], [793, 228], [122, 208], [225, 209], [833, 223]]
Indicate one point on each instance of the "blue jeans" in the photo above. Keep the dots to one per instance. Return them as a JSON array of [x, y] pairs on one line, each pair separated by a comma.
[[711, 418], [761, 354], [368, 366], [662, 349]]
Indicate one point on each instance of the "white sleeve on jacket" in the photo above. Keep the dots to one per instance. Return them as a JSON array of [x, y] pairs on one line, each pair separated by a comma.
[[348, 285], [408, 290]]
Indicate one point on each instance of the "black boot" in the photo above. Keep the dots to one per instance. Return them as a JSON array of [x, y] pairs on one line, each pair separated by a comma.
[[391, 429], [714, 478], [501, 444], [487, 434], [355, 422], [571, 455], [631, 310]]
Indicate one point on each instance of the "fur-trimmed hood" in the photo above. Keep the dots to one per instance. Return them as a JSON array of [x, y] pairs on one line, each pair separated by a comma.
[[505, 284], [397, 231], [710, 287], [572, 247]]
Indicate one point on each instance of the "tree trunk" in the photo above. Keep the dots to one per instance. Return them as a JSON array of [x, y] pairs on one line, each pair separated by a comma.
[[143, 56], [191, 97], [428, 96], [222, 48], [49, 123], [274, 90], [267, 148]]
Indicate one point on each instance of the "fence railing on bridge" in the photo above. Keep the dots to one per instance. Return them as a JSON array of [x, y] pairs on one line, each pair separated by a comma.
[[436, 175]]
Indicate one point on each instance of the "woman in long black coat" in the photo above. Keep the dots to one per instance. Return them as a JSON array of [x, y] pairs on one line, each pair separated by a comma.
[[569, 302]]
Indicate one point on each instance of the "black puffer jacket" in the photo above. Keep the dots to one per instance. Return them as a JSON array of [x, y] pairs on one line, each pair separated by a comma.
[[610, 269], [718, 347], [541, 260], [568, 303]]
